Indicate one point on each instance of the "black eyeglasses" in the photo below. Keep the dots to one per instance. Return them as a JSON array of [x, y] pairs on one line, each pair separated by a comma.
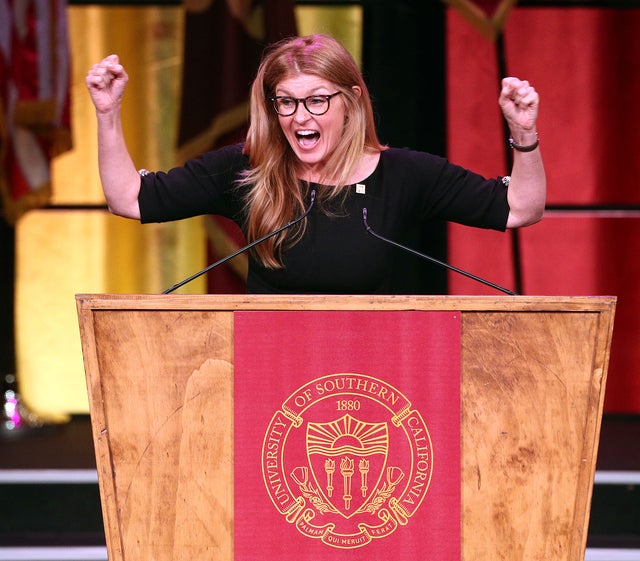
[[286, 105]]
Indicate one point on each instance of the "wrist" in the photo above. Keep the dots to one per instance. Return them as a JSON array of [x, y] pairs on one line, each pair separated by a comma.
[[524, 142]]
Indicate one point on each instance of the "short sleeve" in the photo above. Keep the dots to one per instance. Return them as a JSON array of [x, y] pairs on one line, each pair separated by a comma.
[[205, 185]]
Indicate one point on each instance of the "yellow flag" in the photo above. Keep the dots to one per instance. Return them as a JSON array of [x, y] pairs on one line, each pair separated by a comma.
[[488, 16]]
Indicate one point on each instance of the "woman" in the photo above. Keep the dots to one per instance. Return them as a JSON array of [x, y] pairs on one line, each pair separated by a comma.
[[312, 130]]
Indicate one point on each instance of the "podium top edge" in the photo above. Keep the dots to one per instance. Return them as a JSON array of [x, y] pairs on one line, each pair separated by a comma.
[[266, 302]]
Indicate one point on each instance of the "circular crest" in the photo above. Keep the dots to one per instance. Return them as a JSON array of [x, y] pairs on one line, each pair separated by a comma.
[[347, 459]]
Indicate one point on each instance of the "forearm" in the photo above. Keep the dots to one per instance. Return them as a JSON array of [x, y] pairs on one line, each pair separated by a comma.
[[528, 186], [118, 175]]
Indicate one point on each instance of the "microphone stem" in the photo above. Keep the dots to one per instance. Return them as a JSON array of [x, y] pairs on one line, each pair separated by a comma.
[[242, 249], [433, 259]]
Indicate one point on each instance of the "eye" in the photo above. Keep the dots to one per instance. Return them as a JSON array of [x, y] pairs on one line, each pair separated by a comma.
[[286, 102], [316, 101]]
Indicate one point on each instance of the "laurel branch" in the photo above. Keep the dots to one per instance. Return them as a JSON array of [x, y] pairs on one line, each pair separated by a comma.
[[308, 492], [378, 499]]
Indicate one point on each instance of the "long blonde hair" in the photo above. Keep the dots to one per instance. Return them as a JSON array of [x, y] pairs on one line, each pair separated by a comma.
[[275, 195]]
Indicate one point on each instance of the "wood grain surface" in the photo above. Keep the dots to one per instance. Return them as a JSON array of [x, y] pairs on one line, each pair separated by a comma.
[[160, 380]]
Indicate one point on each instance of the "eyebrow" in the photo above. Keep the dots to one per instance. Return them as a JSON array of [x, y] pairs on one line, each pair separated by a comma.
[[314, 92]]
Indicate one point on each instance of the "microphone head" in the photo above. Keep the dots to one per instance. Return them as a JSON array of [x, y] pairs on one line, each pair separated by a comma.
[[364, 218]]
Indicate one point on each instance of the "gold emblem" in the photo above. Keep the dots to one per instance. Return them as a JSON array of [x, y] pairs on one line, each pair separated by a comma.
[[347, 459]]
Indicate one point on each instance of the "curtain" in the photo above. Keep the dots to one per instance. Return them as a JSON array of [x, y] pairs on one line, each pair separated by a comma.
[[585, 66], [77, 246]]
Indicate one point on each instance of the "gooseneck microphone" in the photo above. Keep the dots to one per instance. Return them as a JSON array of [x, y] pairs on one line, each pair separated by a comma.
[[243, 249], [432, 259]]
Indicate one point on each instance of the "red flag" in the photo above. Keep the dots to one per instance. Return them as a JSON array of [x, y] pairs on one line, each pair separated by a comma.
[[224, 42], [34, 100]]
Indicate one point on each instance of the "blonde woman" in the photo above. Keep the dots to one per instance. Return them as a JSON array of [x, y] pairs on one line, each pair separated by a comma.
[[312, 131]]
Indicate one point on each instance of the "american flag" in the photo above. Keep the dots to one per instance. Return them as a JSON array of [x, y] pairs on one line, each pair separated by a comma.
[[34, 100]]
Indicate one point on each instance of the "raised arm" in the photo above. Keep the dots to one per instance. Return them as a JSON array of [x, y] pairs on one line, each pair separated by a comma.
[[106, 82], [519, 102]]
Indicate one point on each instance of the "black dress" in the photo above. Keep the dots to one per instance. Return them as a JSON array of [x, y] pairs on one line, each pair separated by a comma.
[[337, 255]]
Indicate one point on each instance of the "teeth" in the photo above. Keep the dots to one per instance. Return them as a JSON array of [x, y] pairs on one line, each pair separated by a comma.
[[308, 138]]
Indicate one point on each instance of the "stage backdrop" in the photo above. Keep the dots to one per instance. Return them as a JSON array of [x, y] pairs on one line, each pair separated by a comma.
[[584, 63], [77, 246]]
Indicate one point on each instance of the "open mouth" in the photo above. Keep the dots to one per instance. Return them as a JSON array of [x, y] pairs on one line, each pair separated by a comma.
[[307, 139]]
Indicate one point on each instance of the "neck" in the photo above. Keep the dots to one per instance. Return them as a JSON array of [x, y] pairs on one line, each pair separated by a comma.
[[363, 168]]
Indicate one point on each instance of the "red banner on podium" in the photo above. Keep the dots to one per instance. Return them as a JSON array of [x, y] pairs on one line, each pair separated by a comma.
[[347, 436]]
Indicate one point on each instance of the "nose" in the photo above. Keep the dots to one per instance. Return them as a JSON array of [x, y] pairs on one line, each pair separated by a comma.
[[301, 114]]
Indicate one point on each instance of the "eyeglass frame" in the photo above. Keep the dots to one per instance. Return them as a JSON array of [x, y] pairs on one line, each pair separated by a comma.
[[328, 98]]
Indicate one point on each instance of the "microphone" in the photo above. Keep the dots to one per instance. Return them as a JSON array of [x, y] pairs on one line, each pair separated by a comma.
[[243, 249], [433, 259]]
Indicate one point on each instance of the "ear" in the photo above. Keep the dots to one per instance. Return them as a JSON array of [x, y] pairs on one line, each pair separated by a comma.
[[357, 90]]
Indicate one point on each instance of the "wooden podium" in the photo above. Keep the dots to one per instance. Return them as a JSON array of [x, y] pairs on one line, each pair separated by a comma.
[[160, 381]]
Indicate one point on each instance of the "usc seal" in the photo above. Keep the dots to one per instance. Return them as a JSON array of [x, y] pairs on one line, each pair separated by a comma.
[[347, 459]]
